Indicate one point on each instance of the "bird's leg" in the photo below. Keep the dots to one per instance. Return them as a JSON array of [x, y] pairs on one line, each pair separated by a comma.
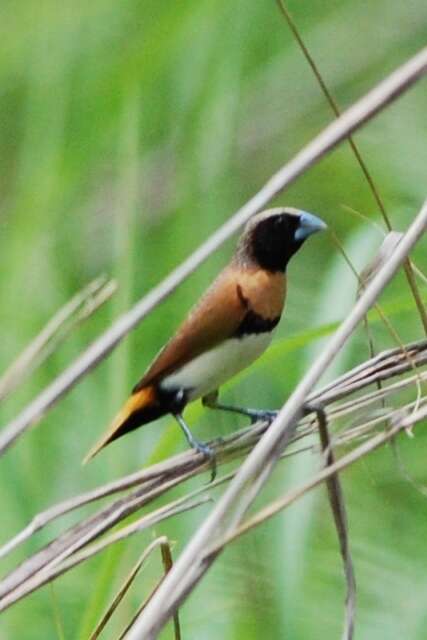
[[211, 401], [201, 447]]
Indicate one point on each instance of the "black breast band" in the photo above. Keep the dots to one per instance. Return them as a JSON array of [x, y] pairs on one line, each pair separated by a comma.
[[253, 324]]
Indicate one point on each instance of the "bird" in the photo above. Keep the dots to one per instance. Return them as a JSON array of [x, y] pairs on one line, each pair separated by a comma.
[[227, 330]]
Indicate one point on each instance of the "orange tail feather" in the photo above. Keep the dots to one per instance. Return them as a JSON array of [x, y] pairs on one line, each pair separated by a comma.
[[140, 408]]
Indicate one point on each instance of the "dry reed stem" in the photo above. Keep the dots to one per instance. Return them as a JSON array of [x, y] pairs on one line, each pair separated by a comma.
[[64, 563], [81, 306], [155, 480], [400, 422], [56, 560], [81, 534]]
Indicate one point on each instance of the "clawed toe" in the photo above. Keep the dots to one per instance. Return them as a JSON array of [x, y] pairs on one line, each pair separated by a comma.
[[210, 455], [266, 415], [271, 415], [200, 447]]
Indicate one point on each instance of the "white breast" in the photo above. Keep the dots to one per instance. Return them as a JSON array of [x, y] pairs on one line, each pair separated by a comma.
[[210, 370]]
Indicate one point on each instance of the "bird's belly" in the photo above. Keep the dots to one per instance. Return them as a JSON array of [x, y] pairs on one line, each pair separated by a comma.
[[211, 369]]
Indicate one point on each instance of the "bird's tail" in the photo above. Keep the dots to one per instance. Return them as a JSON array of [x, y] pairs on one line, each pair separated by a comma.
[[142, 407]]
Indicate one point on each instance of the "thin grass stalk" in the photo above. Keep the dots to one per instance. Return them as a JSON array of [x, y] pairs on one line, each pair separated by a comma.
[[124, 588], [362, 281], [337, 503], [374, 190], [56, 614], [167, 566]]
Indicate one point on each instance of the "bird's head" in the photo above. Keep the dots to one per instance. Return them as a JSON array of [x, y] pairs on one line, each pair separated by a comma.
[[271, 237]]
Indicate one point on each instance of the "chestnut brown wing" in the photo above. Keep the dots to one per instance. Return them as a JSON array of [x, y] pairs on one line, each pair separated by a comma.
[[215, 318], [237, 293]]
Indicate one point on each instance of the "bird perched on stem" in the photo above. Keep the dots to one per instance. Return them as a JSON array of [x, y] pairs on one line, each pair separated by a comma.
[[229, 328]]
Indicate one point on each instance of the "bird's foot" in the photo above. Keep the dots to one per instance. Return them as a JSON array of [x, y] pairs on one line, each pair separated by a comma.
[[200, 447], [267, 415], [208, 453], [211, 401]]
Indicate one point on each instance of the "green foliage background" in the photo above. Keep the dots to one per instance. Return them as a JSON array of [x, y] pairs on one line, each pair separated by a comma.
[[128, 132]]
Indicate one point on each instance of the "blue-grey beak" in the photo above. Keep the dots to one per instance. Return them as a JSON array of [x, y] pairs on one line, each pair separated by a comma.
[[308, 225]]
